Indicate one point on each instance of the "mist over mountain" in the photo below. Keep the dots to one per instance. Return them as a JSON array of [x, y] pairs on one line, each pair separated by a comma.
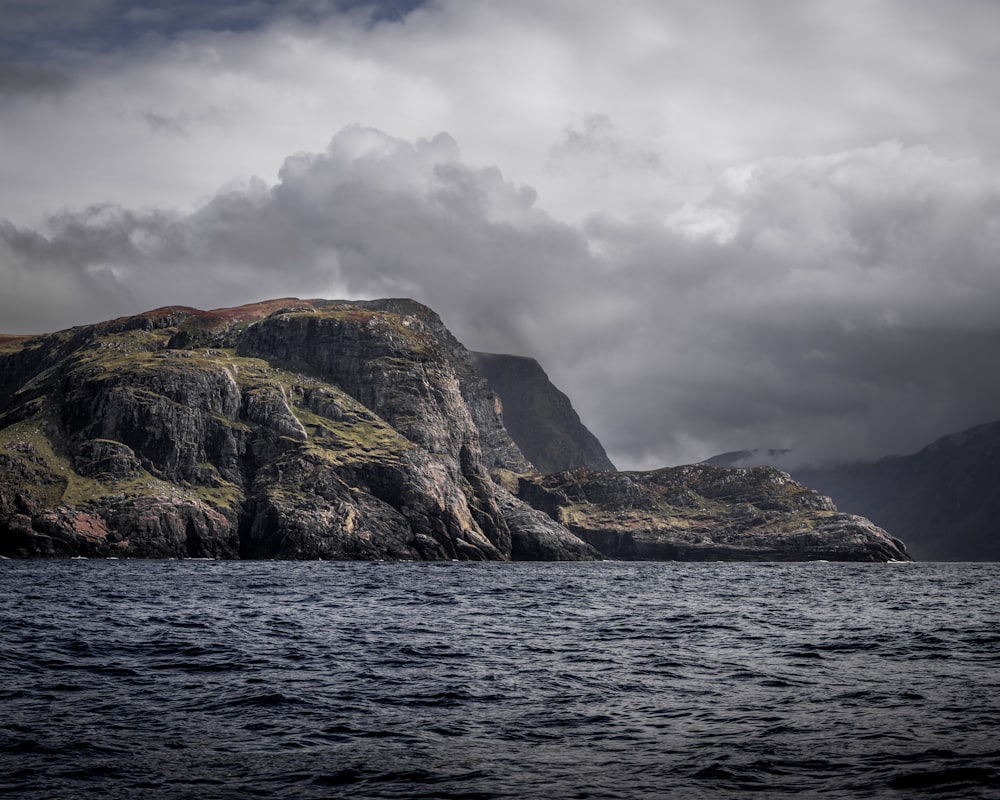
[[771, 457], [943, 501]]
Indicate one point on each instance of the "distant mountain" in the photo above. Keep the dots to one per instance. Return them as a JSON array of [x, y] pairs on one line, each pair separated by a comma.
[[943, 501], [539, 417]]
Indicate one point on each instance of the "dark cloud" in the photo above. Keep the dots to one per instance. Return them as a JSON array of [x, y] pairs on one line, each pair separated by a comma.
[[44, 28], [30, 79], [714, 251], [843, 305]]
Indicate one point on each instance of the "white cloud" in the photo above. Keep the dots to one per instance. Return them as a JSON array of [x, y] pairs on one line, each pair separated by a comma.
[[687, 90], [719, 225]]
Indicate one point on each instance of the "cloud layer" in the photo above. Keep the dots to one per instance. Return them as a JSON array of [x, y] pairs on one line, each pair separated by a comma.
[[838, 305], [171, 103], [717, 228]]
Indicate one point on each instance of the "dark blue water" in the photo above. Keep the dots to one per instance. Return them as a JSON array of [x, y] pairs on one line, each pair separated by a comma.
[[188, 679]]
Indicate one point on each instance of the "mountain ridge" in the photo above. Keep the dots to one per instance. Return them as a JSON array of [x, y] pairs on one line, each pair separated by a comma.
[[318, 429]]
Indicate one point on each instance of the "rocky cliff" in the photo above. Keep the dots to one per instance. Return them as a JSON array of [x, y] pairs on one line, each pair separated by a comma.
[[338, 430], [289, 429], [706, 513], [539, 417]]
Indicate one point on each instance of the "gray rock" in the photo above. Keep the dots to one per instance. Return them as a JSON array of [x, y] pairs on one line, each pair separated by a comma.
[[706, 513], [327, 429], [307, 430], [539, 417]]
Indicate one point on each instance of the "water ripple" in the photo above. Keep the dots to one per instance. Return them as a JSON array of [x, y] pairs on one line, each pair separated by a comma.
[[314, 680]]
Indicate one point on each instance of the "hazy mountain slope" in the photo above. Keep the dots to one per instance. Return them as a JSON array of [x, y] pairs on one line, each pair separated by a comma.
[[539, 417], [943, 501]]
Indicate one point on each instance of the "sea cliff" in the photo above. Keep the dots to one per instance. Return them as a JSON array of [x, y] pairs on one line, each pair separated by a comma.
[[305, 429]]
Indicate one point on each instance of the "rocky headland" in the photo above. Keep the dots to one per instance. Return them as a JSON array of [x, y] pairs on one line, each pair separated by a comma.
[[305, 429], [705, 513]]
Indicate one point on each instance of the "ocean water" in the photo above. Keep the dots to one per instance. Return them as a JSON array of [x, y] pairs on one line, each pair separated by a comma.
[[204, 679]]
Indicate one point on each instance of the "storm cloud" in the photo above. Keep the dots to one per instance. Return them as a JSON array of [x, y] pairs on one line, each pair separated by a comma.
[[782, 235]]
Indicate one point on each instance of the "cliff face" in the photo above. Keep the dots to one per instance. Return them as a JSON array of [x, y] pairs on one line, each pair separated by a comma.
[[317, 430], [706, 513], [539, 417], [337, 430]]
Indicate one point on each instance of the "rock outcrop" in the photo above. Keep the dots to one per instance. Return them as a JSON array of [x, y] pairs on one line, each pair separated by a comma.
[[706, 513], [291, 429], [313, 429]]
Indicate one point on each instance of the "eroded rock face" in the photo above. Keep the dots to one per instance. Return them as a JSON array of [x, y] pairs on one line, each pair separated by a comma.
[[106, 459], [537, 537], [303, 429], [705, 513], [336, 430]]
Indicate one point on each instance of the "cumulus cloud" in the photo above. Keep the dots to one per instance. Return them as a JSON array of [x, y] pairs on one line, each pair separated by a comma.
[[371, 214], [679, 92], [838, 305], [718, 225]]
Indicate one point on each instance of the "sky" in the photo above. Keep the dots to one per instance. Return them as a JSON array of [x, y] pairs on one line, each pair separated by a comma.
[[718, 226]]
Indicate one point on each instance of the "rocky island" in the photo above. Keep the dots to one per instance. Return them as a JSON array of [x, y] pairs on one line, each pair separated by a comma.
[[305, 429]]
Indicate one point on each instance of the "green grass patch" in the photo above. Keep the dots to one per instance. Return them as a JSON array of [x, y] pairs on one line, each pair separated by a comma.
[[53, 481], [357, 436]]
